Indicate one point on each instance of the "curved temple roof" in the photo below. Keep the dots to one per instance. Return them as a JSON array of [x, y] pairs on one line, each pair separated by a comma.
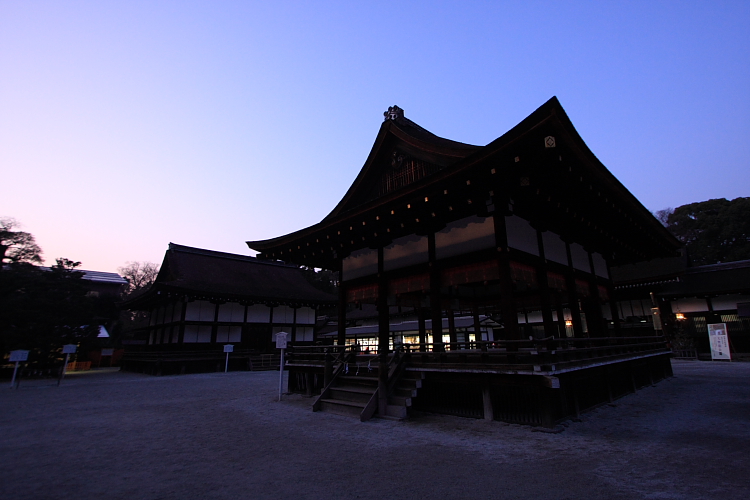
[[541, 169]]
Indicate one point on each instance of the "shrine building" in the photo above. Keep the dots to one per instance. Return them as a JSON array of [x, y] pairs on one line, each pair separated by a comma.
[[515, 238], [202, 300]]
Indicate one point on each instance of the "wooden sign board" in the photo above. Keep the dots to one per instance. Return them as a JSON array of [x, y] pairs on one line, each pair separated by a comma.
[[108, 351], [281, 340], [717, 337], [16, 356], [229, 348]]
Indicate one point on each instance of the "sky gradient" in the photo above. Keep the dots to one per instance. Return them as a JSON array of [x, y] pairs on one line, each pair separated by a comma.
[[127, 125]]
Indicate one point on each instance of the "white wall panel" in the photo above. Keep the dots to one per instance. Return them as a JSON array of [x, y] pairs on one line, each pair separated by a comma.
[[403, 252], [689, 305], [554, 248], [580, 257], [360, 263], [521, 235], [464, 236], [258, 313], [232, 311]]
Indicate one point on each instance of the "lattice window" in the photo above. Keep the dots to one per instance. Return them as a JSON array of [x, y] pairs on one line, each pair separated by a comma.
[[405, 170]]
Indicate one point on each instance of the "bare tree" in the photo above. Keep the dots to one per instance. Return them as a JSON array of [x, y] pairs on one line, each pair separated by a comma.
[[663, 215], [140, 275], [17, 246]]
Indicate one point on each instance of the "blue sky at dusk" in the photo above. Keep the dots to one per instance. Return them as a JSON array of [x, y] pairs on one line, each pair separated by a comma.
[[125, 125]]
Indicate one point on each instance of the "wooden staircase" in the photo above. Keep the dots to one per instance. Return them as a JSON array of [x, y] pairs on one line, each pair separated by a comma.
[[353, 390]]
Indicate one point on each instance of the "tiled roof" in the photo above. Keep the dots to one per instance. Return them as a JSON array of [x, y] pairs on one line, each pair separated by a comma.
[[199, 271]]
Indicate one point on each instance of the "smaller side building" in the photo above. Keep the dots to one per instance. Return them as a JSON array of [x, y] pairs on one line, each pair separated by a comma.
[[688, 300], [203, 299]]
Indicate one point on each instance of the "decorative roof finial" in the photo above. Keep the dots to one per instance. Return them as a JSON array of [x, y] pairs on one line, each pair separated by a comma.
[[394, 113]]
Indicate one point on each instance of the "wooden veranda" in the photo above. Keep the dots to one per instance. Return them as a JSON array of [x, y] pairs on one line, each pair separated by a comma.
[[539, 382]]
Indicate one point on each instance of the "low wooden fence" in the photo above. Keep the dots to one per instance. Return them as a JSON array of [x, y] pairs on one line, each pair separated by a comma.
[[173, 362]]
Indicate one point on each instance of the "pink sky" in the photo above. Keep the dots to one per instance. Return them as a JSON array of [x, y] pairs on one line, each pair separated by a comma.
[[128, 125]]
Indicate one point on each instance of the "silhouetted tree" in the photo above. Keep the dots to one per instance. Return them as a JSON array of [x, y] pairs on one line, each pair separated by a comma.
[[15, 245], [140, 276], [713, 231]]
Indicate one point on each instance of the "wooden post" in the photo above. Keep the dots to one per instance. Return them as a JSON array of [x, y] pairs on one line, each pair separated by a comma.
[[341, 339], [477, 326], [560, 315], [214, 326], [436, 310], [596, 306], [544, 293], [294, 324], [489, 412], [452, 326], [422, 328], [181, 336], [383, 336], [507, 301], [575, 311], [328, 368]]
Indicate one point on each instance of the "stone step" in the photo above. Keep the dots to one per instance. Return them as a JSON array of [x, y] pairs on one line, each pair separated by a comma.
[[350, 380], [352, 393], [347, 408], [398, 412], [405, 392], [399, 401]]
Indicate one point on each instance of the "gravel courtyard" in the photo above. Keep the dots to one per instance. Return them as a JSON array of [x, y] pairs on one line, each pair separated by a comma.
[[116, 435]]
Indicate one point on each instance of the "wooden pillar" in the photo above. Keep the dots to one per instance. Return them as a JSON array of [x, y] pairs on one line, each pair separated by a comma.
[[181, 337], [613, 304], [214, 326], [575, 311], [383, 336], [422, 328], [294, 324], [560, 315], [270, 327], [436, 311], [489, 413], [544, 293], [477, 326], [507, 301], [384, 323], [596, 305], [452, 326], [341, 338]]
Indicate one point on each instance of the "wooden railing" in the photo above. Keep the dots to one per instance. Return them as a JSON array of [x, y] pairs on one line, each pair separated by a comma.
[[333, 364], [550, 354]]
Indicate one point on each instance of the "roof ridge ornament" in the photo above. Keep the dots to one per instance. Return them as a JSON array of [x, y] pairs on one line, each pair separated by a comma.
[[395, 114]]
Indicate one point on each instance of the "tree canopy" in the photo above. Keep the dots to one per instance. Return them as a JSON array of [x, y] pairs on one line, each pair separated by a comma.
[[140, 275], [17, 246], [713, 231]]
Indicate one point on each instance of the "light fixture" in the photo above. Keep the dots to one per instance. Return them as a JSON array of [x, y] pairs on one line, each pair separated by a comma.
[[568, 323], [679, 316]]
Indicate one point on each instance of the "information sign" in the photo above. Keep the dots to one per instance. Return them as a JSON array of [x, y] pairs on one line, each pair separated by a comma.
[[16, 357], [19, 355], [228, 348], [281, 344], [108, 351], [717, 336], [69, 349], [281, 340]]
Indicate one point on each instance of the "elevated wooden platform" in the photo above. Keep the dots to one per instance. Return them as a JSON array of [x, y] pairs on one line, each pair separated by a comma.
[[529, 382]]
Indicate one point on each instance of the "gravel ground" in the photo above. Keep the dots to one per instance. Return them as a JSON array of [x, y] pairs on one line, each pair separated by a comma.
[[115, 435]]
